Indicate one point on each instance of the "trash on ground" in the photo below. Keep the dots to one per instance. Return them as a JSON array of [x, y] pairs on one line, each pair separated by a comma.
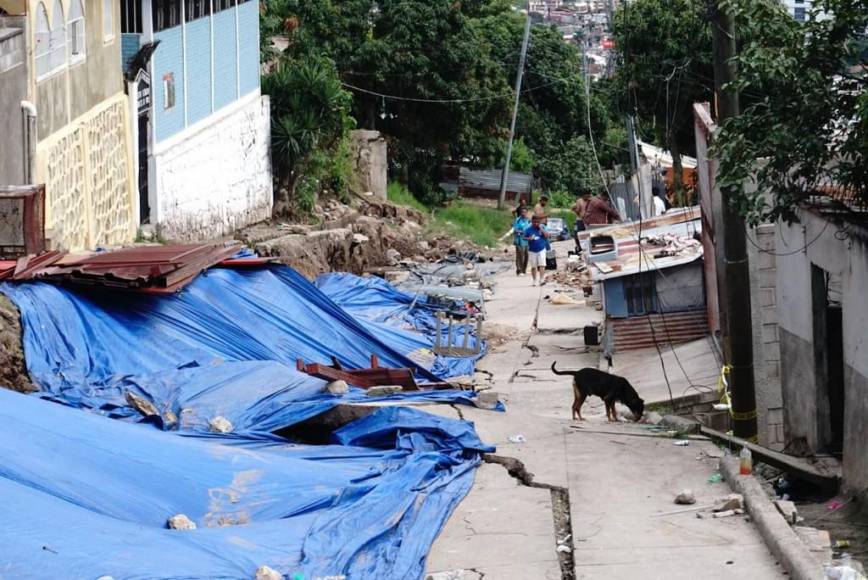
[[745, 462], [564, 549], [724, 514], [715, 478], [337, 388], [517, 439], [681, 442], [563, 299], [835, 505], [686, 497], [266, 573]]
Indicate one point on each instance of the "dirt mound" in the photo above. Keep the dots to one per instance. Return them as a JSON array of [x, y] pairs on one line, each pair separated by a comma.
[[13, 372]]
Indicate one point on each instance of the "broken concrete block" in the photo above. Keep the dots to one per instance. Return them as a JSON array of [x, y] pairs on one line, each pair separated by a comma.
[[788, 510], [384, 390], [734, 501], [487, 400], [220, 425], [142, 405], [360, 239], [723, 514], [686, 497], [180, 522], [266, 573], [337, 388], [393, 256], [680, 424]]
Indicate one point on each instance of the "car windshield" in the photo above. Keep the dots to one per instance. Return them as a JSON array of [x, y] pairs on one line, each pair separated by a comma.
[[555, 224]]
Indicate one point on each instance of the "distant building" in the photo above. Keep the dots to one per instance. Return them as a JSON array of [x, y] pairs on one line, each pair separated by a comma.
[[798, 9], [64, 117], [202, 126]]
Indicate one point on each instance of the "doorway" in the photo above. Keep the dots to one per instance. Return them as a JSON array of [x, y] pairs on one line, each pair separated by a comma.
[[143, 99], [829, 358]]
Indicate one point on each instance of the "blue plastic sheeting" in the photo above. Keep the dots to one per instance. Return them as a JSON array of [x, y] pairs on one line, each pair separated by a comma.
[[86, 496], [226, 345], [385, 307]]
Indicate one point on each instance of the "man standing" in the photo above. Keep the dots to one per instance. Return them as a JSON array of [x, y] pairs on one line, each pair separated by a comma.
[[519, 226], [599, 211], [579, 209], [537, 238], [540, 209]]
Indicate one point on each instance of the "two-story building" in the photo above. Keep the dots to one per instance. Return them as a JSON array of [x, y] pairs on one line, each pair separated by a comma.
[[202, 128], [64, 117]]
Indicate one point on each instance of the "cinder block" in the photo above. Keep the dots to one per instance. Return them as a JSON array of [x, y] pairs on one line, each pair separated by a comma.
[[770, 333], [767, 297]]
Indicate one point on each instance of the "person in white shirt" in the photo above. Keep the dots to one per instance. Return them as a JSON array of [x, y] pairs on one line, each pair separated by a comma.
[[659, 204]]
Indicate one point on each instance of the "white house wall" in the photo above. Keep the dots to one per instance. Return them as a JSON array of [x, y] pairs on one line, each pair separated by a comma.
[[215, 177]]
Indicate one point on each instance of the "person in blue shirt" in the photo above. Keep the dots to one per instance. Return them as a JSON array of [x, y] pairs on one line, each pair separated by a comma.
[[538, 242], [519, 226]]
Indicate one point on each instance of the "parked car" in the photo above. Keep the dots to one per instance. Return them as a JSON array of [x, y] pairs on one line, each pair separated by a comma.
[[558, 228]]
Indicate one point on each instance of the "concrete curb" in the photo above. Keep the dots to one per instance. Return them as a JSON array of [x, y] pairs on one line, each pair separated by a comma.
[[777, 533]]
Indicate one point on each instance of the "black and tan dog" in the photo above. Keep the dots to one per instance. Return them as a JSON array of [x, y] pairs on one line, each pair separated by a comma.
[[612, 389]]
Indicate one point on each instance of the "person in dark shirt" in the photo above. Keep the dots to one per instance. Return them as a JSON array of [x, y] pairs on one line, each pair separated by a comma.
[[600, 212], [537, 240]]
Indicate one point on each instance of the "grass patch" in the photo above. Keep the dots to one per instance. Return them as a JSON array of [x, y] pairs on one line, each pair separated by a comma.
[[398, 194], [480, 225]]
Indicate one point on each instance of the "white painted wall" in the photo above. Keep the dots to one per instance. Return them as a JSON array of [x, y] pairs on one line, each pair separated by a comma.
[[215, 177]]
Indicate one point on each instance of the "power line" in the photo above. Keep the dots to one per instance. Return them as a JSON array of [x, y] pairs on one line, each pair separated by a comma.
[[444, 101]]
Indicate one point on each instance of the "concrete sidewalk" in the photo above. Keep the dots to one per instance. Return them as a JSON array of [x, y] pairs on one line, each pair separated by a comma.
[[619, 480]]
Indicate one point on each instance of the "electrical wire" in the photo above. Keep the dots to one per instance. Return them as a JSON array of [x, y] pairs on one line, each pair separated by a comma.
[[793, 252], [445, 101]]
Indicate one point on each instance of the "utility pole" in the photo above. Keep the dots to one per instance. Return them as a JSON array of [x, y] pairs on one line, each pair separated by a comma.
[[739, 328], [504, 178]]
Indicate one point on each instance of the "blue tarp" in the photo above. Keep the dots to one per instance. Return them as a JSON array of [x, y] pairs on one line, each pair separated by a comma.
[[88, 496], [385, 307], [226, 345], [85, 496]]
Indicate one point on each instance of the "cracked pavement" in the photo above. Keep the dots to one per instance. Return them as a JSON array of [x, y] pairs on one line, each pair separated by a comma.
[[620, 485]]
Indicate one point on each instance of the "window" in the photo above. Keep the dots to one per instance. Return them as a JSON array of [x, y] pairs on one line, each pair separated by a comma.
[[43, 42], [57, 37], [799, 13], [220, 5], [75, 28], [131, 20], [167, 14], [168, 90], [108, 25], [195, 9]]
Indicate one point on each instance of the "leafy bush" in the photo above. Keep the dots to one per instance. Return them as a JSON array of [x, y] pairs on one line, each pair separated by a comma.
[[398, 194]]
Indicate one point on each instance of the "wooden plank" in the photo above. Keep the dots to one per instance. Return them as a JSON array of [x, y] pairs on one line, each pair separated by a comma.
[[793, 465]]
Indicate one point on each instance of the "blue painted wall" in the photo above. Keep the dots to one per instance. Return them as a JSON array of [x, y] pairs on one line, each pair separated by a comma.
[[130, 44], [168, 58], [248, 29], [616, 300], [225, 52], [199, 69]]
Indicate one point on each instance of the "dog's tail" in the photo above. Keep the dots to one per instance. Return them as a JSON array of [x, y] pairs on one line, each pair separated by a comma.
[[557, 372]]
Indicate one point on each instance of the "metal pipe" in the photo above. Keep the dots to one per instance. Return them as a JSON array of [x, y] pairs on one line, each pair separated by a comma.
[[28, 121]]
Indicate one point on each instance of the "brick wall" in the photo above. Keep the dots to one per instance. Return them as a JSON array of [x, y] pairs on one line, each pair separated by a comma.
[[769, 400]]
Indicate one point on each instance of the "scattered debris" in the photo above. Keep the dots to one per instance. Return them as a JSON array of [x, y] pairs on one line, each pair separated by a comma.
[[686, 497], [337, 388], [845, 569], [734, 501], [681, 443], [220, 425], [563, 299], [564, 549], [384, 390], [723, 514], [818, 542], [487, 400], [715, 478], [180, 522], [652, 418], [517, 439], [266, 573]]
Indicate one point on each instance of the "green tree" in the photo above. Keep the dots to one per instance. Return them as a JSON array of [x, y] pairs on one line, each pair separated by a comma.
[[310, 123], [665, 66], [810, 128]]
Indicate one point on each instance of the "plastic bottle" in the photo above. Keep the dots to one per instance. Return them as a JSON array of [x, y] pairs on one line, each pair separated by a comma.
[[745, 462]]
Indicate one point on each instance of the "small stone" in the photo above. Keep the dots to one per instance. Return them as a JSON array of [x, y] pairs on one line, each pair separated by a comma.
[[723, 514], [180, 522], [733, 501], [686, 497], [337, 388], [266, 573], [142, 405], [384, 390], [360, 239], [393, 257], [220, 425], [487, 400]]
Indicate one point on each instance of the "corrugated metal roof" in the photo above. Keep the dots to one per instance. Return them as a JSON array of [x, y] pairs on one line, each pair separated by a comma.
[[489, 180]]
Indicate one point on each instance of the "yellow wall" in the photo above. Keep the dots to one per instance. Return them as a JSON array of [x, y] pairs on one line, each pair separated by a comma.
[[87, 170]]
